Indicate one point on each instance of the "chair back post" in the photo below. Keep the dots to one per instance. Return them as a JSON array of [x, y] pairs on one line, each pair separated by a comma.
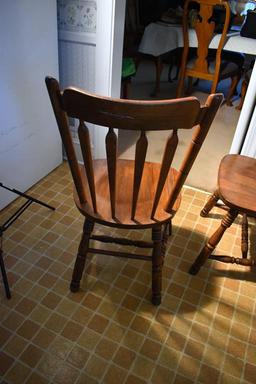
[[62, 122], [222, 41], [205, 119]]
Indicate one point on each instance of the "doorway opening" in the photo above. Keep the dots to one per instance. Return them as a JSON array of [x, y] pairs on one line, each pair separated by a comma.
[[203, 175]]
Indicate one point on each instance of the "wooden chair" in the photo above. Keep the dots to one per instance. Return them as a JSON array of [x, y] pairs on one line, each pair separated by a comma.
[[128, 194], [210, 65], [236, 188]]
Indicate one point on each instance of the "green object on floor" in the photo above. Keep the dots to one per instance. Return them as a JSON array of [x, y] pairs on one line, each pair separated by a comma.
[[128, 67]]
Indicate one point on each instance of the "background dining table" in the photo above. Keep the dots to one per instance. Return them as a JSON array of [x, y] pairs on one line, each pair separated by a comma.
[[160, 38]]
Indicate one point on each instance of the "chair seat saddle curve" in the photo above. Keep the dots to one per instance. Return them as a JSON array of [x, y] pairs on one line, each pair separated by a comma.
[[128, 194]]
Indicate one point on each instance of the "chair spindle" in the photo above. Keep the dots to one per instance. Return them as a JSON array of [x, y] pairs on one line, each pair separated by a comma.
[[168, 156], [84, 137], [111, 151], [140, 156]]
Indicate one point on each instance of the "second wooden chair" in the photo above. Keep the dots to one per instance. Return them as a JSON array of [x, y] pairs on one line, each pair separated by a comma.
[[212, 65]]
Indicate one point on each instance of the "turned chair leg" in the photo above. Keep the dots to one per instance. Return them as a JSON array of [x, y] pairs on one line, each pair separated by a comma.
[[180, 87], [189, 86], [157, 263], [243, 93], [244, 239], [159, 68], [170, 228], [81, 256], [125, 88], [165, 235], [213, 242], [210, 204], [231, 91]]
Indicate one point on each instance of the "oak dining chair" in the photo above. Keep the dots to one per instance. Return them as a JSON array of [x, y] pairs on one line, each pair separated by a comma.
[[128, 194], [236, 189], [209, 64]]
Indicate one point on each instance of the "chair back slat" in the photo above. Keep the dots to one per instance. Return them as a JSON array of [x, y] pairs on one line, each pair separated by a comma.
[[140, 156], [111, 151], [168, 156], [204, 31], [204, 28], [84, 138], [131, 114]]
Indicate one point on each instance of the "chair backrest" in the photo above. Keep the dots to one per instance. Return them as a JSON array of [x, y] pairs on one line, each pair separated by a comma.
[[204, 28], [132, 115]]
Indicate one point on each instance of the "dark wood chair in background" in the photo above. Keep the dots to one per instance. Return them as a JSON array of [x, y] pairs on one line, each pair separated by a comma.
[[236, 189], [213, 65], [244, 86], [129, 194], [173, 60]]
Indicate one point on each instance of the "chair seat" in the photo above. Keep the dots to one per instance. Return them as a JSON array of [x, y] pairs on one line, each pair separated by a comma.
[[125, 169], [237, 183]]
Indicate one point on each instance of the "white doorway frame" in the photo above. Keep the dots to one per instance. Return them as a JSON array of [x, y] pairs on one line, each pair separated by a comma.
[[244, 140], [109, 50], [108, 66]]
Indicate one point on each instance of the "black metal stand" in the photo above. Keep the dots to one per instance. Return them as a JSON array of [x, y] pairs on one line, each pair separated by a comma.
[[7, 224]]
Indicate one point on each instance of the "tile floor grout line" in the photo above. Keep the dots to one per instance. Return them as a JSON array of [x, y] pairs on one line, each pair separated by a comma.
[[192, 205]]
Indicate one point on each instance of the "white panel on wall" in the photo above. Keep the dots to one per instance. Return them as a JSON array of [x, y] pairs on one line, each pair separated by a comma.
[[77, 41], [77, 63], [85, 54], [30, 145]]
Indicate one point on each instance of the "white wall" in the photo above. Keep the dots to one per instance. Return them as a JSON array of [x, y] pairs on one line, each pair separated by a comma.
[[30, 145], [77, 41]]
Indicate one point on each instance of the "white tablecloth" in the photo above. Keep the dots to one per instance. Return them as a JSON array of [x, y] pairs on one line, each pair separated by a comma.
[[160, 38]]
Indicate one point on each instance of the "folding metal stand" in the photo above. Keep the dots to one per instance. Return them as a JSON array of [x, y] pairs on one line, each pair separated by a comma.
[[7, 224]]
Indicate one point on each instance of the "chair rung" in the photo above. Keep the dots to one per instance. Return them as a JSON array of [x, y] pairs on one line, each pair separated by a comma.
[[233, 260], [122, 241], [120, 254]]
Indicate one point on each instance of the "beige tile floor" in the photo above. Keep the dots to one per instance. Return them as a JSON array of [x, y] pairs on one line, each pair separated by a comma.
[[203, 332]]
